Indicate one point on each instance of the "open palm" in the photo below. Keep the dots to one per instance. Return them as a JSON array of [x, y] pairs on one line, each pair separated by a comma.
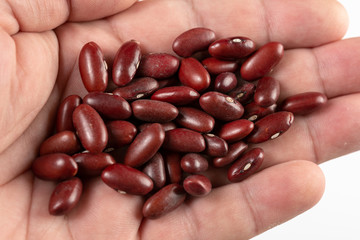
[[39, 44]]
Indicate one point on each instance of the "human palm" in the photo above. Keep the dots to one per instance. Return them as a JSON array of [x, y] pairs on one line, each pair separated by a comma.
[[39, 44]]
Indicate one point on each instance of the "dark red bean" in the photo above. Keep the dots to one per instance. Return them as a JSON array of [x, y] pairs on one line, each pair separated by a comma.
[[120, 133], [137, 88], [232, 48], [193, 40], [108, 105], [93, 68], [173, 166], [166, 126], [225, 82], [235, 150], [271, 127], [303, 103], [267, 92], [158, 65], [197, 185], [193, 74], [164, 201], [155, 169], [195, 119], [262, 61], [91, 165], [215, 146], [246, 165], [221, 106], [90, 128], [236, 130], [145, 145], [65, 196], [64, 114], [127, 179], [216, 66], [54, 166], [62, 142], [243, 93], [154, 111], [126, 62], [255, 112], [194, 163], [177, 95], [184, 140], [168, 82]]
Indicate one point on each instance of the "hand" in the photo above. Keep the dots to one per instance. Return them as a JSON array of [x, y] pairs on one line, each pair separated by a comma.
[[39, 44]]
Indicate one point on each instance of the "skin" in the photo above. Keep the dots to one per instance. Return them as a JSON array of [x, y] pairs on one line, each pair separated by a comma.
[[40, 41]]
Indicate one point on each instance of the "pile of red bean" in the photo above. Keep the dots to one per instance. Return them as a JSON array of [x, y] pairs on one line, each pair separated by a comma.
[[155, 126]]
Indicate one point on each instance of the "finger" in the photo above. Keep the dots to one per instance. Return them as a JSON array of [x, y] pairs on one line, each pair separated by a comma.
[[243, 210]]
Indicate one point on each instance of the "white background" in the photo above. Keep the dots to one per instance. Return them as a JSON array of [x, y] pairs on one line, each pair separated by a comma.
[[337, 215]]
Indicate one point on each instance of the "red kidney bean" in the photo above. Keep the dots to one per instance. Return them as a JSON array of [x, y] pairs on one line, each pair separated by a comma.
[[235, 151], [64, 114], [195, 119], [236, 130], [303, 103], [90, 128], [243, 93], [93, 68], [158, 65], [194, 163], [221, 106], [197, 185], [155, 169], [54, 166], [108, 105], [184, 140], [145, 145], [177, 95], [65, 196], [246, 165], [262, 61], [168, 82], [120, 133], [173, 167], [154, 111], [126, 62], [225, 82], [216, 66], [193, 40], [137, 88], [193, 74], [166, 126], [62, 142], [271, 127], [91, 165], [127, 179], [215, 146], [267, 92], [255, 112], [232, 48]]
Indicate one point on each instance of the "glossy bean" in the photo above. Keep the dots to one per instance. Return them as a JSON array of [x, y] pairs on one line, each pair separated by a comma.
[[145, 145], [232, 47], [90, 128], [235, 151], [267, 91], [193, 40], [246, 165], [216, 66], [93, 68], [126, 62], [303, 103], [221, 106], [243, 93], [177, 95], [195, 119], [64, 114], [127, 179], [271, 127], [120, 133], [236, 130], [166, 126], [65, 196], [173, 166], [62, 142], [155, 169], [193, 74], [137, 88], [158, 65], [255, 112], [194, 163], [215, 146], [54, 166], [154, 111], [91, 165], [262, 61], [225, 82], [197, 185], [184, 140]]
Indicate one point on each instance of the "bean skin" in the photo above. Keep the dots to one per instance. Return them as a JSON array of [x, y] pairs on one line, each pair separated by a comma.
[[173, 166], [155, 169], [303, 103], [195, 119], [158, 65], [243, 93], [194, 163], [225, 82], [236, 130], [166, 126], [62, 142], [232, 48], [193, 74], [154, 111], [64, 114], [216, 66], [91, 165], [177, 95], [255, 112], [197, 185], [184, 140], [120, 133], [235, 151], [137, 88], [267, 92], [215, 146]]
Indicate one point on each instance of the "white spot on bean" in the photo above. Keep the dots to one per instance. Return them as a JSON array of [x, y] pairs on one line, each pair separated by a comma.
[[140, 95], [275, 135], [106, 66], [247, 166], [230, 99], [253, 117], [237, 40]]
